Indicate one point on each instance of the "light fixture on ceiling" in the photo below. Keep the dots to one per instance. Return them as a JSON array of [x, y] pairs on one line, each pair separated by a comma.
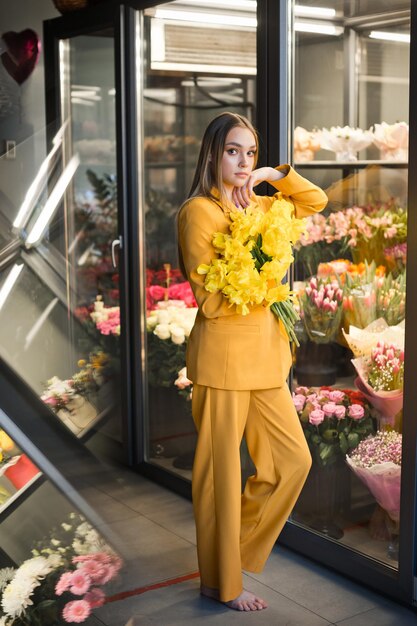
[[305, 11], [10, 282], [37, 185], [200, 17], [388, 36], [319, 29], [45, 216]]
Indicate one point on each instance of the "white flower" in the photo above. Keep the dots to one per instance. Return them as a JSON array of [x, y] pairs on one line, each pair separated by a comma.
[[66, 527], [162, 331], [38, 567], [16, 596], [164, 316], [177, 335], [6, 574]]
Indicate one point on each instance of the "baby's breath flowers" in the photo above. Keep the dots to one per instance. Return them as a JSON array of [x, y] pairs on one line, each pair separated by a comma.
[[377, 462], [254, 258], [384, 447]]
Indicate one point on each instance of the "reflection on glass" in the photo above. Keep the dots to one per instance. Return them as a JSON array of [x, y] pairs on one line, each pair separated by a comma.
[[16, 469], [62, 290], [185, 87], [350, 280]]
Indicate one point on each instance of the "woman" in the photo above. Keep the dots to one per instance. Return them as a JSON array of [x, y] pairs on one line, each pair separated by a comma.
[[239, 366]]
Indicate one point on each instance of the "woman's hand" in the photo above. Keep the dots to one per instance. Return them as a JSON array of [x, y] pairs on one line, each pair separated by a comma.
[[242, 195]]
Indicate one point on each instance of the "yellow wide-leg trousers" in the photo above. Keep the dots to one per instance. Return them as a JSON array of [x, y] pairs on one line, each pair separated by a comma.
[[237, 531]]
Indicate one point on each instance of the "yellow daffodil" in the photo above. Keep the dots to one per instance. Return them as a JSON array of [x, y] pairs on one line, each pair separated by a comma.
[[254, 258]]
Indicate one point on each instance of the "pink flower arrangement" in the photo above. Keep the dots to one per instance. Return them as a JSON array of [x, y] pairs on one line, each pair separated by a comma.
[[321, 308], [91, 570], [178, 291], [381, 378], [106, 319], [377, 462], [334, 421], [62, 582], [386, 367]]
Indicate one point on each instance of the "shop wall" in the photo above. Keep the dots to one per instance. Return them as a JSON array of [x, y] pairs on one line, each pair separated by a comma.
[[22, 108]]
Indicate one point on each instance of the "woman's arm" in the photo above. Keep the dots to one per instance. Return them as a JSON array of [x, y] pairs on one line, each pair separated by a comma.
[[306, 197], [196, 226]]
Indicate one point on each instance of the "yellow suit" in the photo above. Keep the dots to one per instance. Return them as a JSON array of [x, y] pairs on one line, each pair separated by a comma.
[[239, 366]]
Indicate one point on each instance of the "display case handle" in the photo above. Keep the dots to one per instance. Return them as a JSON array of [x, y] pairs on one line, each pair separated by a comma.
[[115, 242]]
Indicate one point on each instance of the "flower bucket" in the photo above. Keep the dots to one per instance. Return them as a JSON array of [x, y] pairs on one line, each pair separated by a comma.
[[21, 472]]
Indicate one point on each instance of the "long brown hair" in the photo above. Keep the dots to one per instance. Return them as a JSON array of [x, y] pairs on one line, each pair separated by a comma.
[[208, 172]]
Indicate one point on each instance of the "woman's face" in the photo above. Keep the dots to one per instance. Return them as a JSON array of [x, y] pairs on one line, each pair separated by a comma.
[[238, 158]]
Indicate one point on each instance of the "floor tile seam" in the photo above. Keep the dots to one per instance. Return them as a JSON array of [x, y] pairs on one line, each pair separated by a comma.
[[329, 623], [340, 622], [150, 519]]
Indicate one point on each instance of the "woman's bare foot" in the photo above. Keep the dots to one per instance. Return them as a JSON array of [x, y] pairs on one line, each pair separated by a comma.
[[246, 601]]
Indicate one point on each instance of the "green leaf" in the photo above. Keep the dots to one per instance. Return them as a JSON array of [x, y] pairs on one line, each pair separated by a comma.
[[330, 434], [343, 442], [353, 440]]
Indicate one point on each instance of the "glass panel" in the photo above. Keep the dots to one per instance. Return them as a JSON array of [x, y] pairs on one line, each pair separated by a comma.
[[62, 288], [185, 87], [350, 136]]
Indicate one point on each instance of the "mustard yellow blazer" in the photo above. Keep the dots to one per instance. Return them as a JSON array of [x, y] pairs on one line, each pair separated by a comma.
[[227, 350]]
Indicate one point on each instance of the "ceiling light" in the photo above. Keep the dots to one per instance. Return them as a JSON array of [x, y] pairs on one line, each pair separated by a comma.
[[206, 18], [242, 5], [37, 185], [320, 29], [45, 216], [305, 11], [387, 36], [9, 283]]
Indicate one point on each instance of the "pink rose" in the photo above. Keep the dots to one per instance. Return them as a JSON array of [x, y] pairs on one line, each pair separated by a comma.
[[299, 401], [303, 390], [329, 408], [316, 417], [356, 411], [340, 411], [336, 396]]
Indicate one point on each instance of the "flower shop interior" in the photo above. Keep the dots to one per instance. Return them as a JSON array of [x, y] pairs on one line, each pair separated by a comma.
[[102, 109]]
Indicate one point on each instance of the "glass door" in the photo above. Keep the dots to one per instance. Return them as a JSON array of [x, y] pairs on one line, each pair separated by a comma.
[[62, 289], [350, 135], [184, 87]]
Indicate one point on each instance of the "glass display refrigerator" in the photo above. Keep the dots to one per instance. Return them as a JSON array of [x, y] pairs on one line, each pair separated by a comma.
[[130, 88]]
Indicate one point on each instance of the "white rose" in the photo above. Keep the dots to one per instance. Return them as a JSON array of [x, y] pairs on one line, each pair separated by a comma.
[[163, 317], [177, 335], [162, 331]]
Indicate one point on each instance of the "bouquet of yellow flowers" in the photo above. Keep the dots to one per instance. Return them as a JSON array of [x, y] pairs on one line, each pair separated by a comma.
[[253, 260]]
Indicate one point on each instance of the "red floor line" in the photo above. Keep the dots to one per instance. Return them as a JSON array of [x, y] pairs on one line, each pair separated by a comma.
[[166, 583]]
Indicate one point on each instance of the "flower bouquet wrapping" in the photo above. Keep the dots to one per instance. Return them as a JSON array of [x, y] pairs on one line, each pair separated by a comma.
[[334, 421], [253, 260], [377, 462], [321, 308], [345, 142], [306, 143], [362, 340], [392, 140], [63, 580], [381, 378]]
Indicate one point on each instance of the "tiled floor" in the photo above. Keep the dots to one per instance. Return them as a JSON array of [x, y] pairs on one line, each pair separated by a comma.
[[158, 529]]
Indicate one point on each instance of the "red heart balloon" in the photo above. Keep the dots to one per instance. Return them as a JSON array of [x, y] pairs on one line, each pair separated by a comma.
[[22, 53]]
